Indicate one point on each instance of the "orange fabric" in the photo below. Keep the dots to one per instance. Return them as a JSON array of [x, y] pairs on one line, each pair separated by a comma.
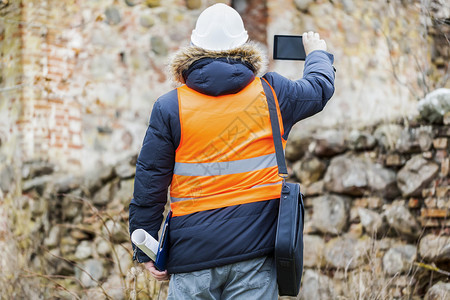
[[223, 200], [222, 129]]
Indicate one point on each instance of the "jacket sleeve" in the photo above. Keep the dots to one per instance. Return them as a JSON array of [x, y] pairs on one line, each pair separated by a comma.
[[307, 96], [154, 170]]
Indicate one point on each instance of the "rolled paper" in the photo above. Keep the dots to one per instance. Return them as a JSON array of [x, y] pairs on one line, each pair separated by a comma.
[[144, 241]]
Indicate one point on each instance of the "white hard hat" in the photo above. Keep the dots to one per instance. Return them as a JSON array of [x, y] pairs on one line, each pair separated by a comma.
[[219, 27]]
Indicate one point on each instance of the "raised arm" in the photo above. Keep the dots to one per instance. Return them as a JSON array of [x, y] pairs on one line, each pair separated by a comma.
[[307, 96]]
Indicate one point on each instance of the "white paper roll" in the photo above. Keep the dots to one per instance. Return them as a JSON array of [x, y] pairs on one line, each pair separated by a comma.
[[144, 241]]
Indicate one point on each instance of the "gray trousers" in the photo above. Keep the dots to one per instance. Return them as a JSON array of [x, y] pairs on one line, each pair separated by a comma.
[[250, 279]]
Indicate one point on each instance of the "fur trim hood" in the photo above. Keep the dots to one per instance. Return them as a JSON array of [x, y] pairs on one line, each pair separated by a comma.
[[249, 53]]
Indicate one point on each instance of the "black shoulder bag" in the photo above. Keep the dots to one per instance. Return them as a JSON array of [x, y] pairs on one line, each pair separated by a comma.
[[289, 238]]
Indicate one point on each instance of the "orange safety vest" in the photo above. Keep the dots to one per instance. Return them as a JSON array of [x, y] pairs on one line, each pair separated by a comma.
[[226, 154]]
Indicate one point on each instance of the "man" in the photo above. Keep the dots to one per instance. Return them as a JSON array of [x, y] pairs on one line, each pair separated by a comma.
[[211, 141]]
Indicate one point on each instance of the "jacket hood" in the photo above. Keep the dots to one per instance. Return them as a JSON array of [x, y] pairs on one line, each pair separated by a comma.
[[249, 54]]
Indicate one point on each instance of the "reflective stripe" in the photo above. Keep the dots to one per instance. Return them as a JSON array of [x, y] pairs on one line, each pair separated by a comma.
[[226, 167], [174, 199]]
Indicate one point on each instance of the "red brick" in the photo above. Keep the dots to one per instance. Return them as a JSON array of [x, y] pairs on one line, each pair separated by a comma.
[[434, 213], [413, 203], [440, 143], [445, 166]]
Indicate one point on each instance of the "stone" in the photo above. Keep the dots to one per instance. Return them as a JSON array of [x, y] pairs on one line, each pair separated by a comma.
[[346, 252], [37, 205], [37, 168], [328, 143], [103, 196], [440, 143], [95, 270], [115, 231], [68, 245], [316, 286], [425, 137], [354, 215], [349, 6], [147, 21], [438, 291], [125, 191], [38, 184], [122, 257], [371, 221], [399, 259], [443, 191], [374, 202], [303, 4], [313, 251], [435, 248], [159, 47], [316, 188], [193, 4], [387, 135], [112, 15], [361, 140], [132, 2], [445, 167], [124, 170], [447, 118], [6, 178], [52, 240], [356, 176], [394, 160], [346, 175], [441, 155], [309, 170], [330, 213], [84, 250], [79, 234], [416, 175], [402, 221], [355, 230], [65, 184], [113, 286], [407, 141], [103, 247], [435, 105], [152, 3], [95, 180], [72, 204], [297, 145]]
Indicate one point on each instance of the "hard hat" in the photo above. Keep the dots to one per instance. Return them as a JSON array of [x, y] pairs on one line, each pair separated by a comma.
[[219, 27]]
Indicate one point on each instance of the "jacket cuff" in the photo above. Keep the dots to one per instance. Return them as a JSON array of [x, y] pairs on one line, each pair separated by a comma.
[[322, 53]]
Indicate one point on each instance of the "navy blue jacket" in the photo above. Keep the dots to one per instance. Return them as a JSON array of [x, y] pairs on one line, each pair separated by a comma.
[[226, 235]]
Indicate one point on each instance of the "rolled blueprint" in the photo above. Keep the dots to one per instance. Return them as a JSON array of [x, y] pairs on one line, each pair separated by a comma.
[[144, 241]]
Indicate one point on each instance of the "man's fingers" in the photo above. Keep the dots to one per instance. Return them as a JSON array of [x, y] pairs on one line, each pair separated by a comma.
[[158, 275], [317, 36]]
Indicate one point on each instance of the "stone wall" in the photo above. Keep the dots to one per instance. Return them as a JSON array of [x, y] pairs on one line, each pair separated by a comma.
[[377, 218], [77, 83]]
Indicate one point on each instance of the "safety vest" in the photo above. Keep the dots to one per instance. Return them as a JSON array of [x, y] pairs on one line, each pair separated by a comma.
[[226, 154]]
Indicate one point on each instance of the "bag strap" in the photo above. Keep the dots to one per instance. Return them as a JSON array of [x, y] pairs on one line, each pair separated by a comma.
[[279, 152]]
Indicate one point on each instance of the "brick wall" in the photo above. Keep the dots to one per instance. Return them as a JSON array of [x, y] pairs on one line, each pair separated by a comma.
[[50, 124], [90, 71]]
